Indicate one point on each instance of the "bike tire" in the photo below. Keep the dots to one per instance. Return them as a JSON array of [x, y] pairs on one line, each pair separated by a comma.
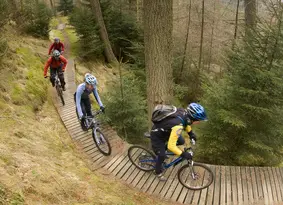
[[203, 171], [60, 94], [100, 146], [142, 154]]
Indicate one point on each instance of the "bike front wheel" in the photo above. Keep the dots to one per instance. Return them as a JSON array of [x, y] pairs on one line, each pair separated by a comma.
[[196, 176], [142, 158], [60, 94], [102, 143]]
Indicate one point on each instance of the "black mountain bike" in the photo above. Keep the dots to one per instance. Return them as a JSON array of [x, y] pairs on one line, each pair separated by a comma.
[[192, 175], [102, 143], [59, 89]]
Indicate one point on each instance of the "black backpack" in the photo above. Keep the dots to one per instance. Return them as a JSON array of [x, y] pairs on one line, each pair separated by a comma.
[[162, 112]]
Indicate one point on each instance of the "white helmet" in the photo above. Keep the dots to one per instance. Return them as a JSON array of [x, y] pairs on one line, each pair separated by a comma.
[[90, 79]]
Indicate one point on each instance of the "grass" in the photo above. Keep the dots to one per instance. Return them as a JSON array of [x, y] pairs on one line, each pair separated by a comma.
[[39, 163]]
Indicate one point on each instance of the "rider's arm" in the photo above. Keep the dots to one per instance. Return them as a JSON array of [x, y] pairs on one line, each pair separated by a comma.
[[64, 60], [96, 95], [50, 49], [191, 133], [172, 142], [79, 93], [47, 65]]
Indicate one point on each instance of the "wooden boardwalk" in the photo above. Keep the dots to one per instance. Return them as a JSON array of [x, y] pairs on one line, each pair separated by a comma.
[[232, 185]]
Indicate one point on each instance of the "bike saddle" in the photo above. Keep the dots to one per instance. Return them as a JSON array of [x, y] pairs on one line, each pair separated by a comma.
[[147, 134]]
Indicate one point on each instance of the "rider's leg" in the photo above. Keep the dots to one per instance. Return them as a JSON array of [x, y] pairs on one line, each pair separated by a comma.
[[87, 105], [158, 146], [52, 76], [61, 77], [84, 113]]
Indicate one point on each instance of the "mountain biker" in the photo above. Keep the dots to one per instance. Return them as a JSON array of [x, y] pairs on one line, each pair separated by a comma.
[[57, 64], [81, 96], [57, 45], [170, 130]]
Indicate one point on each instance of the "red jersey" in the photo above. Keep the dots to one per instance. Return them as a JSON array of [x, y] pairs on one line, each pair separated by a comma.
[[56, 46], [51, 62]]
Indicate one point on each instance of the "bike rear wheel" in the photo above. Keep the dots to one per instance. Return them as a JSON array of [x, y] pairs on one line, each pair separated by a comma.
[[142, 158], [101, 142], [196, 177], [60, 93]]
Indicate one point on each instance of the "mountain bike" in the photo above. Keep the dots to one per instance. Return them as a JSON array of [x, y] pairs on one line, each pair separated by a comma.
[[59, 89], [192, 175], [101, 142]]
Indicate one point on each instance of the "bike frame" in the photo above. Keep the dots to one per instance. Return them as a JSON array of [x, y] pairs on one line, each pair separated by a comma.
[[174, 162]]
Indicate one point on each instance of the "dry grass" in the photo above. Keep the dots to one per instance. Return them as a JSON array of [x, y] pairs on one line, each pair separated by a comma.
[[39, 164]]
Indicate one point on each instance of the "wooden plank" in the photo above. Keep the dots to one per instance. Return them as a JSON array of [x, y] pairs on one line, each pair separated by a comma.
[[117, 162], [124, 170], [137, 178], [273, 184], [222, 185], [254, 184], [260, 195], [197, 193], [132, 168], [211, 188], [168, 172], [278, 182], [239, 185], [148, 182], [169, 181], [144, 179], [113, 160], [121, 165], [228, 186], [217, 188], [249, 184], [268, 185], [244, 184], [203, 192], [264, 187]]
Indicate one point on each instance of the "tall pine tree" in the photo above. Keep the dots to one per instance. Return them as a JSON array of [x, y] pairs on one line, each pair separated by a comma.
[[246, 107]]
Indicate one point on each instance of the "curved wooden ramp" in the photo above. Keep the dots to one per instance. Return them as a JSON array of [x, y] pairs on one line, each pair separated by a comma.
[[232, 185]]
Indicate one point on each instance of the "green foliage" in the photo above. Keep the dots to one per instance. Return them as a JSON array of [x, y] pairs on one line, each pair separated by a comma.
[[66, 6], [83, 21], [245, 108], [36, 19], [3, 47], [4, 15], [124, 35], [34, 91], [127, 111]]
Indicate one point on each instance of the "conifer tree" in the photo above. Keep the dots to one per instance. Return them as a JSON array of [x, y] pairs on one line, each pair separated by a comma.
[[245, 108]]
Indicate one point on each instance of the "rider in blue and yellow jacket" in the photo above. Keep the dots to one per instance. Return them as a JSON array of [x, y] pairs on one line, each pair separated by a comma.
[[169, 131]]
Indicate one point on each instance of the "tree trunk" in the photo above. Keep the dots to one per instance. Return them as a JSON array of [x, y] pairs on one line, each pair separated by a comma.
[[186, 41], [133, 7], [140, 12], [201, 37], [236, 20], [211, 37], [250, 13], [158, 27], [110, 57]]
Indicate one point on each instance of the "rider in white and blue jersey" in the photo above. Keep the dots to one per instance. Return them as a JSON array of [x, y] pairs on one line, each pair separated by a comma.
[[81, 97]]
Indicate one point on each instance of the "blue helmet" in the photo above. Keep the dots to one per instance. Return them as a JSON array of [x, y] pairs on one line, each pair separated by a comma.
[[196, 112]]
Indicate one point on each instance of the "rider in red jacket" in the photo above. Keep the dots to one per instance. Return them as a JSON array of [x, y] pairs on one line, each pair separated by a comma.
[[57, 64], [57, 45]]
